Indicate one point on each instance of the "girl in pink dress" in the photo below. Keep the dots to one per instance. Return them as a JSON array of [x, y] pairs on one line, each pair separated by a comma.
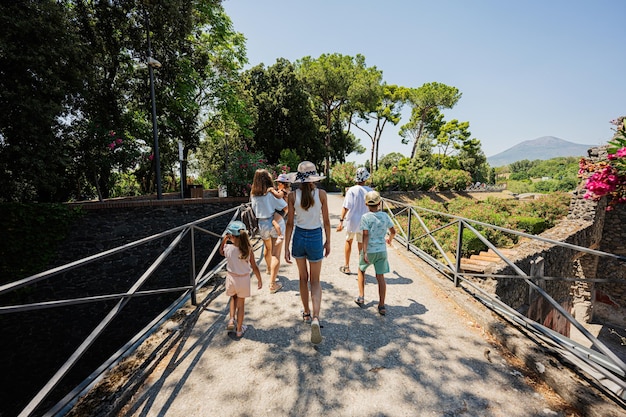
[[239, 263]]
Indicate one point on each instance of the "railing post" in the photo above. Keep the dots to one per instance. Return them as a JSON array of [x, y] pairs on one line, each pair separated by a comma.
[[408, 232], [536, 273], [459, 245], [193, 268]]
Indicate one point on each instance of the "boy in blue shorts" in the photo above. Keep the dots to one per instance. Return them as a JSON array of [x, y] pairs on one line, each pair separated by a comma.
[[374, 225]]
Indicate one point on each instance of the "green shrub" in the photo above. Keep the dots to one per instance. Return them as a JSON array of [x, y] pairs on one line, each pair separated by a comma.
[[550, 207], [425, 179], [342, 175], [528, 216], [124, 185], [452, 179], [532, 225], [471, 244], [519, 187]]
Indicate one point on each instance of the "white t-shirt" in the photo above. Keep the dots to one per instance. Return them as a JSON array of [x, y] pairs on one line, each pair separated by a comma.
[[265, 205], [355, 203]]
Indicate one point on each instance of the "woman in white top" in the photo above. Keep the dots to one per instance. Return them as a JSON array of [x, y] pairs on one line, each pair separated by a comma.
[[308, 212], [264, 205]]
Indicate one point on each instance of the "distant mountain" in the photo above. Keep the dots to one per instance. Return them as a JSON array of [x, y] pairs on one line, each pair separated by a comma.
[[546, 147]]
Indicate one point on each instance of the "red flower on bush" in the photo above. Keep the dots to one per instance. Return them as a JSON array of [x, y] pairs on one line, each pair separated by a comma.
[[607, 178]]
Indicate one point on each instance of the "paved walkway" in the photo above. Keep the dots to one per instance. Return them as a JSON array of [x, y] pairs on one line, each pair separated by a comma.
[[425, 358]]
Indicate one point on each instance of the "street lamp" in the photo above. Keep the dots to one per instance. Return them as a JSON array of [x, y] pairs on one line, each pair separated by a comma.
[[152, 64]]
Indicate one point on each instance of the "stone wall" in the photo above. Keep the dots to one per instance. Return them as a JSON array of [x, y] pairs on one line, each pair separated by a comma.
[[610, 297], [588, 225], [36, 343]]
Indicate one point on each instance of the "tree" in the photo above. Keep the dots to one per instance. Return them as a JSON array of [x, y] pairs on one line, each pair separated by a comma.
[[390, 160], [452, 136], [339, 86], [391, 101], [457, 150], [473, 160], [103, 116], [519, 169], [283, 117], [38, 84], [426, 103], [200, 93]]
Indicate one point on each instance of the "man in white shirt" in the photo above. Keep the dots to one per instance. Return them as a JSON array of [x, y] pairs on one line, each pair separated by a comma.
[[353, 209]]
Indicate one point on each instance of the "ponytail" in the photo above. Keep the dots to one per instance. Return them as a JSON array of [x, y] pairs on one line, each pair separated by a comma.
[[307, 200], [245, 247]]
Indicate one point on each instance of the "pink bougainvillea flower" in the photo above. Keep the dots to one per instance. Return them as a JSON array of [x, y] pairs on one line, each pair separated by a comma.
[[112, 145], [151, 157], [621, 152], [111, 133], [118, 141]]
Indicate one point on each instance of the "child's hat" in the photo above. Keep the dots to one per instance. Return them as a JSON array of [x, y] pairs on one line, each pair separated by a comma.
[[235, 228], [372, 198], [362, 175], [283, 178]]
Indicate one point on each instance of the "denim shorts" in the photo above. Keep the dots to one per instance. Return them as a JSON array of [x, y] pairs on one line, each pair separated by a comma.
[[307, 243]]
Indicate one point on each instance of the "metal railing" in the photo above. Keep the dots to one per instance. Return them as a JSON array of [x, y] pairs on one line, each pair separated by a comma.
[[612, 369], [604, 365], [197, 280]]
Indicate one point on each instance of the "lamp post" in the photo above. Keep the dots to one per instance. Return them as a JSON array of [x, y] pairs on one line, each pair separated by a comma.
[[182, 161], [153, 63], [226, 151]]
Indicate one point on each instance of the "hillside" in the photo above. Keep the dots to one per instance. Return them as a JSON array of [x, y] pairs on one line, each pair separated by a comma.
[[546, 147]]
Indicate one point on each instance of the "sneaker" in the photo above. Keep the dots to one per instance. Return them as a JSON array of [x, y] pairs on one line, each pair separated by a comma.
[[316, 333]]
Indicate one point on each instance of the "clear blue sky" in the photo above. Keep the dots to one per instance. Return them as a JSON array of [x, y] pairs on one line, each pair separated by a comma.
[[525, 69]]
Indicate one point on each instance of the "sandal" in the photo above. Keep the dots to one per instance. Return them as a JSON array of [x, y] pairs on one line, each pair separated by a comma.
[[276, 287], [382, 310], [306, 317], [232, 323], [360, 301], [345, 269], [243, 330], [316, 334]]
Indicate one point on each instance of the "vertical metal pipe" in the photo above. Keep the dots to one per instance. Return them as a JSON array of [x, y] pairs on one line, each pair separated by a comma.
[[193, 267], [408, 232], [459, 245], [157, 158]]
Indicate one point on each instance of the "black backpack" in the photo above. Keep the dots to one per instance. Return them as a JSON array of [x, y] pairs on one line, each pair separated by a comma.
[[249, 219]]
